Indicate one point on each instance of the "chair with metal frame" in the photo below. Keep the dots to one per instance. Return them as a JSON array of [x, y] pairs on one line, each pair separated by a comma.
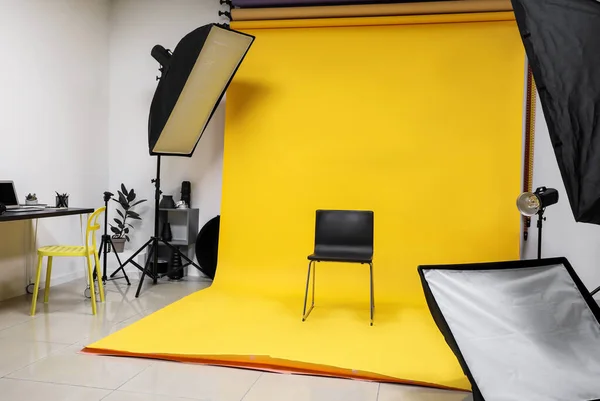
[[341, 236]]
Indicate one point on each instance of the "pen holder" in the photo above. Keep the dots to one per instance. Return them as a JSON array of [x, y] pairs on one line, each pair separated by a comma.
[[62, 201]]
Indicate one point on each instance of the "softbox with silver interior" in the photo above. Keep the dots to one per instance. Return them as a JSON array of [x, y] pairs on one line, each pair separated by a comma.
[[194, 79], [521, 330]]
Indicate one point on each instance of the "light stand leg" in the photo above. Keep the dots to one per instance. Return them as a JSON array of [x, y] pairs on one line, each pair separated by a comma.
[[156, 219], [153, 253], [132, 257], [540, 223], [121, 268], [183, 256], [148, 259]]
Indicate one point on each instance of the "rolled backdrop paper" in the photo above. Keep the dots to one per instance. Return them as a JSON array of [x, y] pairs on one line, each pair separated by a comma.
[[288, 3], [371, 10], [403, 119], [374, 21]]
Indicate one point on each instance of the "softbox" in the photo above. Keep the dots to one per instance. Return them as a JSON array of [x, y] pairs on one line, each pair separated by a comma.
[[194, 79], [562, 41], [522, 330]]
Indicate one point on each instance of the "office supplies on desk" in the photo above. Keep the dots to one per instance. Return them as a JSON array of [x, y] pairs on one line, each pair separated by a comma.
[[9, 197]]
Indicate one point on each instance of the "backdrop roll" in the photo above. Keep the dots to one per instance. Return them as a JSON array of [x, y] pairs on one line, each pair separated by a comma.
[[371, 10]]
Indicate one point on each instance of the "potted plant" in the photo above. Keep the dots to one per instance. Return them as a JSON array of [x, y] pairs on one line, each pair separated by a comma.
[[31, 199], [127, 201]]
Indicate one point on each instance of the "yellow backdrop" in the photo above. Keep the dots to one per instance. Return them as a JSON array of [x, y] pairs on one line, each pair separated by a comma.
[[420, 123]]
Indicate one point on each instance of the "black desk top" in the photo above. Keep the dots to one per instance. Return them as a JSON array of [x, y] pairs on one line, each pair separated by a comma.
[[40, 214]]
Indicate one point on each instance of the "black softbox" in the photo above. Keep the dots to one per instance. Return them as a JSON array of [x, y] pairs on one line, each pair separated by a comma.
[[521, 330], [194, 79], [562, 41]]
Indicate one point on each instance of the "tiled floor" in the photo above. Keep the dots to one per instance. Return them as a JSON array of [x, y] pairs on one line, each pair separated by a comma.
[[40, 359]]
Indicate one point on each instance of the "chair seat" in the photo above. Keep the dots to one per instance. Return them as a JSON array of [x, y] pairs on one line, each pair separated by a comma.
[[348, 257], [64, 250]]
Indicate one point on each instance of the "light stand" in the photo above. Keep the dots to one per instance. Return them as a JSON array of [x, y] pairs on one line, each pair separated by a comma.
[[540, 223], [107, 242], [154, 242], [194, 78], [532, 203]]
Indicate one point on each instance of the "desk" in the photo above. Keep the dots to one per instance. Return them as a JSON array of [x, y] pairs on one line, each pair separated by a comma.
[[40, 214]]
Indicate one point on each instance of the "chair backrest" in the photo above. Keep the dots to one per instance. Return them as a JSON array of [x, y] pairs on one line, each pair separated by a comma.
[[92, 227], [344, 228]]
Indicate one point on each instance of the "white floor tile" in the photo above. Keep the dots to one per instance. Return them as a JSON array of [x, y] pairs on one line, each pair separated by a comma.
[[127, 396], [276, 387], [98, 335], [17, 354], [59, 327], [193, 381], [73, 368], [391, 392], [16, 390], [17, 310]]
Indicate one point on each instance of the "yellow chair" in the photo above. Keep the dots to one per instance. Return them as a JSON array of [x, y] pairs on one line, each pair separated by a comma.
[[72, 251]]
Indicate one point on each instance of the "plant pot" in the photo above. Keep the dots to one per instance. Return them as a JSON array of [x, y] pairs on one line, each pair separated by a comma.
[[118, 244], [31, 202]]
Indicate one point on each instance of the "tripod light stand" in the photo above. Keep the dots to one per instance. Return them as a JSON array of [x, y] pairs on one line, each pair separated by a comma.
[[107, 243], [194, 78], [532, 203]]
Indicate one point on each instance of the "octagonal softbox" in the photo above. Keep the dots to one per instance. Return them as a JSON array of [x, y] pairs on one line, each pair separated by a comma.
[[522, 330]]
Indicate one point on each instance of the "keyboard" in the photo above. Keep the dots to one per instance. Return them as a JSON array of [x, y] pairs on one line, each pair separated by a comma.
[[25, 209]]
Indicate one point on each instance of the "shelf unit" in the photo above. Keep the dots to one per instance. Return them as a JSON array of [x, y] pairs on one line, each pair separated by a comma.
[[184, 227]]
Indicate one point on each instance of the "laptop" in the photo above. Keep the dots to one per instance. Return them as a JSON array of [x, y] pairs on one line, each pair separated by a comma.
[[8, 196]]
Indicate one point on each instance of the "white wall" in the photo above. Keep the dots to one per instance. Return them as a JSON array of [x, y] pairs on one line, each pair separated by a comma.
[[135, 27], [562, 236], [53, 119]]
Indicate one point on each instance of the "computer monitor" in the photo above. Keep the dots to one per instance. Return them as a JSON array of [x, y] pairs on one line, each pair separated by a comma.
[[8, 194]]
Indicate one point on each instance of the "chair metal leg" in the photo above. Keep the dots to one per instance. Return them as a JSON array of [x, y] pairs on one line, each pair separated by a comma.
[[304, 312], [48, 275], [372, 292]]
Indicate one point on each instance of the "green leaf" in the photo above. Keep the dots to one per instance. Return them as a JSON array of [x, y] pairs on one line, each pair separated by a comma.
[[115, 230], [127, 237], [120, 213], [133, 215], [126, 230], [131, 196], [138, 202], [123, 189], [119, 222], [123, 201], [130, 225]]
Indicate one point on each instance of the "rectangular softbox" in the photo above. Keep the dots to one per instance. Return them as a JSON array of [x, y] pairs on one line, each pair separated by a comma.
[[521, 330], [194, 79], [562, 40]]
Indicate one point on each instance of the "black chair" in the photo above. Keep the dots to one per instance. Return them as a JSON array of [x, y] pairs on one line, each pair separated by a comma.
[[341, 236]]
